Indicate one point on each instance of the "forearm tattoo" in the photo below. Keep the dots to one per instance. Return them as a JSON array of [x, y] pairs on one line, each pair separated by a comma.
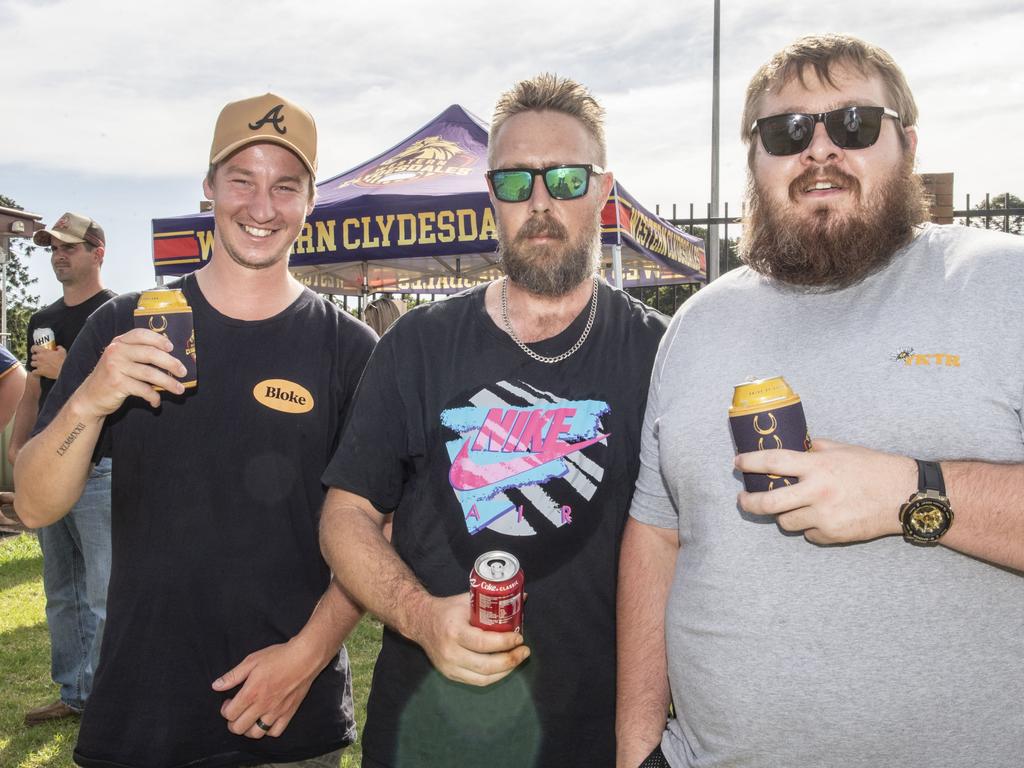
[[72, 436]]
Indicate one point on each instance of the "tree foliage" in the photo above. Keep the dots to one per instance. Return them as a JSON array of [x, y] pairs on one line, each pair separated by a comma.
[[728, 248], [21, 303]]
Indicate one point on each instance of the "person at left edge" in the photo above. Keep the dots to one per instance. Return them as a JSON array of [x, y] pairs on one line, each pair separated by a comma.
[[12, 383], [12, 386], [224, 624]]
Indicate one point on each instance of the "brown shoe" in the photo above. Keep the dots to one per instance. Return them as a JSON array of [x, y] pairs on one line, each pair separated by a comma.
[[56, 711]]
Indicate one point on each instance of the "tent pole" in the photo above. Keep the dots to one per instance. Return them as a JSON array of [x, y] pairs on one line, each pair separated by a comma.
[[617, 248], [617, 265]]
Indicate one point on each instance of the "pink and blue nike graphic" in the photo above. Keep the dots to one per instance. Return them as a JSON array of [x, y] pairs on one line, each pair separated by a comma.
[[523, 448]]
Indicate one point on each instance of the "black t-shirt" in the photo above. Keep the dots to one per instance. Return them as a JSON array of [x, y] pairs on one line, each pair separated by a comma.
[[215, 504], [66, 323], [470, 442]]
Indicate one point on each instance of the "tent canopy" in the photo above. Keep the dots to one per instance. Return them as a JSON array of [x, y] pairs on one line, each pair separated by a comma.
[[417, 218]]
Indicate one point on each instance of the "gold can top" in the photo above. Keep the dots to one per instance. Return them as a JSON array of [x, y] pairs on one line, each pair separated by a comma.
[[760, 395], [163, 300]]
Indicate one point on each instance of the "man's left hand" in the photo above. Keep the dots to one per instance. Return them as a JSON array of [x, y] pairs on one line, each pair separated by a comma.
[[274, 681], [48, 362], [845, 493]]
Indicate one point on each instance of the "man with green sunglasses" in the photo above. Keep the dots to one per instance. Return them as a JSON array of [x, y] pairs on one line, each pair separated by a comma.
[[504, 419], [869, 613]]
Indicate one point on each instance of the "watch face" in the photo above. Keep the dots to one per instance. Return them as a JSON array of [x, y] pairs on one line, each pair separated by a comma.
[[927, 519]]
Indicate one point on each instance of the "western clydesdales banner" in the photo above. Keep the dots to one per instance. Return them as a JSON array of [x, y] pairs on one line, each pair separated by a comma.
[[417, 219]]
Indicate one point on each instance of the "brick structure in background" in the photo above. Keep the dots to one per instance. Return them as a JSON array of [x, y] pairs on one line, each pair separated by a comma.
[[939, 187]]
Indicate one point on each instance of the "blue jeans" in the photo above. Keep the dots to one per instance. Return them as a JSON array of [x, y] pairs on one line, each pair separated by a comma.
[[76, 569]]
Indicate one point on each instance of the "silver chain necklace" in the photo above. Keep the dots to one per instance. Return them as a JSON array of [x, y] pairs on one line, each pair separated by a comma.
[[530, 352]]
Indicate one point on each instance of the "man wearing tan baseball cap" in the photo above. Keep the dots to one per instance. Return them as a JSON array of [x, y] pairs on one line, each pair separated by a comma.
[[267, 118], [76, 548], [224, 624], [72, 228]]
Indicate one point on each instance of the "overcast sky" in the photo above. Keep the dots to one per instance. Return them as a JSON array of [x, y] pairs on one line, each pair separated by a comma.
[[109, 106]]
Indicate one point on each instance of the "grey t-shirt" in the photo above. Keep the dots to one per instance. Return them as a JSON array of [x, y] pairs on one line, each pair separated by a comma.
[[784, 653]]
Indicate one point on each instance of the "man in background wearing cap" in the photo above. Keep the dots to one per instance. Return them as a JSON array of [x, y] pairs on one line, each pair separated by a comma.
[[76, 549], [224, 622]]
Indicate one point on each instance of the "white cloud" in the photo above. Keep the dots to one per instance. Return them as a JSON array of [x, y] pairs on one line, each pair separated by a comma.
[[109, 88]]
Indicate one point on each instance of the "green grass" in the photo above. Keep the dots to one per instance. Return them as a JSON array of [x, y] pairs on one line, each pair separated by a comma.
[[25, 665]]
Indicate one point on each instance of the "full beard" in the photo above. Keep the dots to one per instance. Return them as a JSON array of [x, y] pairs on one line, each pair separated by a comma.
[[553, 269], [830, 250]]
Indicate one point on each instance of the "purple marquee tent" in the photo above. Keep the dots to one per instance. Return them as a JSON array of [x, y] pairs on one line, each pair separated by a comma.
[[417, 219]]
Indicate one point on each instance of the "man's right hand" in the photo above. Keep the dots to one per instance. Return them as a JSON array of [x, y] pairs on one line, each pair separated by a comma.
[[134, 363], [462, 652], [371, 572]]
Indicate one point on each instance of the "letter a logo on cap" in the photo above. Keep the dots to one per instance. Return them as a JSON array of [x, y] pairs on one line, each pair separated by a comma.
[[234, 129], [274, 117]]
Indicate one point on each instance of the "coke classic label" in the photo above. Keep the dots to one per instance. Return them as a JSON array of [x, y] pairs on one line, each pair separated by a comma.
[[496, 592]]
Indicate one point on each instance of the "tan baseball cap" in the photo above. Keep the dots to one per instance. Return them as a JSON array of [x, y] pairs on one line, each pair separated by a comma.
[[71, 228], [265, 118]]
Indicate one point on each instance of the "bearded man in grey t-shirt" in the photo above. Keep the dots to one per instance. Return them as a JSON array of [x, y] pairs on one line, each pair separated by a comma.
[[872, 613]]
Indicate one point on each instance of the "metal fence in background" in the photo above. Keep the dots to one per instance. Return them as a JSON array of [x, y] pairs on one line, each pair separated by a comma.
[[1009, 217], [998, 212]]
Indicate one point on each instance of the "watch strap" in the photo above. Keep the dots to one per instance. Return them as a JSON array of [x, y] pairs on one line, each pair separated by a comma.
[[929, 477]]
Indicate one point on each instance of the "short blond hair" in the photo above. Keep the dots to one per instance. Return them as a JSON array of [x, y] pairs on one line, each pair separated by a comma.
[[823, 53], [548, 91]]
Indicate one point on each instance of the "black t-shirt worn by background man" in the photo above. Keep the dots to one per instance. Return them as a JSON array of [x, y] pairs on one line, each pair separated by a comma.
[[66, 323]]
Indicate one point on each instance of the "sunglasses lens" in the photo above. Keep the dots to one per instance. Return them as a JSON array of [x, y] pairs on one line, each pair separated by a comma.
[[512, 186], [854, 127], [567, 183], [786, 134]]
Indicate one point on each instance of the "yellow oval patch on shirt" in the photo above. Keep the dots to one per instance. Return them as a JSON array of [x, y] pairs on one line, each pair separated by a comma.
[[282, 395]]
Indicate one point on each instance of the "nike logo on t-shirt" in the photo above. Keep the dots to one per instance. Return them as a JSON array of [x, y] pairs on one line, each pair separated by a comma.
[[467, 474]]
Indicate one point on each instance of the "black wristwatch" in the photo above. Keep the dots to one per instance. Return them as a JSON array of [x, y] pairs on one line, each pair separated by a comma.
[[927, 515]]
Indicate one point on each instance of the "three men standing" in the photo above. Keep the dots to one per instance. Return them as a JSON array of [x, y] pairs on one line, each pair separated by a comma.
[[846, 645], [506, 418], [76, 548]]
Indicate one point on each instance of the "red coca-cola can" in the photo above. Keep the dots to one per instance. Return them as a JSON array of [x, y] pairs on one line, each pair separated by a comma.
[[496, 592]]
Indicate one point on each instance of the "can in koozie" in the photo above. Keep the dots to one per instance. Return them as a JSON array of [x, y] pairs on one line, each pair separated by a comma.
[[496, 592], [166, 312], [45, 338], [765, 414]]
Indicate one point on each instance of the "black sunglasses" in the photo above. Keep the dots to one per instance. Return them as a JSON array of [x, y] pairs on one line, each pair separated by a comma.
[[848, 128], [563, 182]]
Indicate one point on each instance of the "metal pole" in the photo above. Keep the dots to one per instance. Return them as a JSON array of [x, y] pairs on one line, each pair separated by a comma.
[[617, 266], [713, 228], [617, 248]]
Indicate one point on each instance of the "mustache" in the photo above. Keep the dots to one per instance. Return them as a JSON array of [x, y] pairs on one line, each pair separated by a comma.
[[542, 225], [812, 176]]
